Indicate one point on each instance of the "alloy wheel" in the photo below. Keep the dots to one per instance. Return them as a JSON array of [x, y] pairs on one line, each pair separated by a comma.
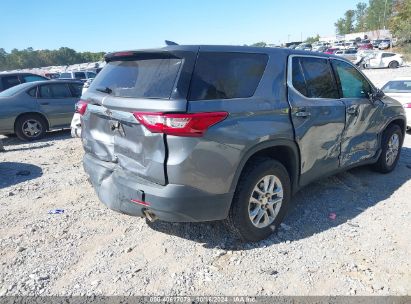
[[265, 201]]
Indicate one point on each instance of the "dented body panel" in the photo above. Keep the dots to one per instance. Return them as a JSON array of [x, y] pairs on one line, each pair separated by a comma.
[[179, 178]]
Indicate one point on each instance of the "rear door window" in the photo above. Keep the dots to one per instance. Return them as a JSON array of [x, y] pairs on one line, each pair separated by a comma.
[[33, 92], [143, 78], [313, 78], [10, 81], [76, 89], [91, 75], [59, 90], [226, 75]]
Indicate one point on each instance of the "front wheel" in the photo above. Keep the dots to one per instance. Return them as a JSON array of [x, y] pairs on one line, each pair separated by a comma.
[[260, 200], [390, 149]]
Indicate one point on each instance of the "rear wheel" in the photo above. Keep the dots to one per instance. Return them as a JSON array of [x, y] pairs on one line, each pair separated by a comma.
[[393, 65], [390, 149], [260, 201], [30, 127]]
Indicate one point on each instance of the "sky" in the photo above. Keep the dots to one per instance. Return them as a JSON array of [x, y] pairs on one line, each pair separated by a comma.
[[101, 25]]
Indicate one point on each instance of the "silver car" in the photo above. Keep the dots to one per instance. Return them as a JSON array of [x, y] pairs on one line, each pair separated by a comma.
[[31, 109]]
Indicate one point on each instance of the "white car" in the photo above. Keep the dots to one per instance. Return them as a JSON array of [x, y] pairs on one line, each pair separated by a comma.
[[400, 89], [75, 125], [384, 60]]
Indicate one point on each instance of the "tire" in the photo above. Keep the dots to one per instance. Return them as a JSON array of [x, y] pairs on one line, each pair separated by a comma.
[[244, 205], [30, 127], [387, 163], [393, 65]]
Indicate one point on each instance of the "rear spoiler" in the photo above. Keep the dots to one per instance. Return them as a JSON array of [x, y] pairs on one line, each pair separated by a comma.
[[138, 55]]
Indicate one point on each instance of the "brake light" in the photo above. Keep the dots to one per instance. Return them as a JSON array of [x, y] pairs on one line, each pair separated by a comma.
[[81, 107], [192, 125], [407, 105]]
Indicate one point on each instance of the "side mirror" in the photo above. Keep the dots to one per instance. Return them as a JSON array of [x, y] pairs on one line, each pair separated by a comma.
[[375, 95]]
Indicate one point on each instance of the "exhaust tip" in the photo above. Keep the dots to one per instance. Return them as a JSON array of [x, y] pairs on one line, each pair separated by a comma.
[[150, 215]]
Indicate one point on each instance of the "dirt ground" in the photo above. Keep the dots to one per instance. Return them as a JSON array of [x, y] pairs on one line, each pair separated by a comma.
[[91, 250]]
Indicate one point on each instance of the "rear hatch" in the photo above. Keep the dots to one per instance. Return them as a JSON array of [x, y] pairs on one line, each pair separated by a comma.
[[136, 81]]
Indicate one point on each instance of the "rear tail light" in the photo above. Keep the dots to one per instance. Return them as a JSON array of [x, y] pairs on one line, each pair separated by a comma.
[[407, 105], [81, 107], [192, 125]]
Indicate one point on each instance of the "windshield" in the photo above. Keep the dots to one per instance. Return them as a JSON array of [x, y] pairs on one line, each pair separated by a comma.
[[14, 90], [148, 78], [397, 86]]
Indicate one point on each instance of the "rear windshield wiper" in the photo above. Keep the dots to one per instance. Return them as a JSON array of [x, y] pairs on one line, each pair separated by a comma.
[[106, 90]]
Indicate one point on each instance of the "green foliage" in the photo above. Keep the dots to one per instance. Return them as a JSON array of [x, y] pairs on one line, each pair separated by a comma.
[[400, 22], [345, 25], [360, 16], [313, 39], [29, 58], [363, 18], [378, 13]]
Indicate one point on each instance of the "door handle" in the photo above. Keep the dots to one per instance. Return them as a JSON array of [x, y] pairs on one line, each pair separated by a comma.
[[302, 113], [44, 103], [352, 110]]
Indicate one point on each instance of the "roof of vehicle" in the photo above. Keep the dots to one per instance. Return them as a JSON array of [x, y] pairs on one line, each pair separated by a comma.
[[17, 73], [217, 48]]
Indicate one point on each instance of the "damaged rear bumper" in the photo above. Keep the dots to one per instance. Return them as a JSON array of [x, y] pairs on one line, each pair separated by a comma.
[[128, 193]]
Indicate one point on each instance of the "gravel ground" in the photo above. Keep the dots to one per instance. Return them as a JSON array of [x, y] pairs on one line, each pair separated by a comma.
[[90, 250]]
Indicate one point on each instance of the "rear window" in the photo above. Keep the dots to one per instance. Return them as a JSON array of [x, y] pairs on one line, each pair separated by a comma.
[[146, 78], [226, 75], [79, 75], [65, 75]]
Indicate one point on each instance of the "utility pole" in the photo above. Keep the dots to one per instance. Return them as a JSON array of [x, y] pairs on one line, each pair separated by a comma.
[[385, 10]]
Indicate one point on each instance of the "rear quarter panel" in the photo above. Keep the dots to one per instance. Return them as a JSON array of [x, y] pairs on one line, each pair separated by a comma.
[[12, 107]]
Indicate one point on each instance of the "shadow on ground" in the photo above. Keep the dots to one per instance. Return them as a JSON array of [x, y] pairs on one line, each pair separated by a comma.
[[12, 173], [12, 142], [347, 195]]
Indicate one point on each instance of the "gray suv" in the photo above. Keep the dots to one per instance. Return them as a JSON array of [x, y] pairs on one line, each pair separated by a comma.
[[202, 133]]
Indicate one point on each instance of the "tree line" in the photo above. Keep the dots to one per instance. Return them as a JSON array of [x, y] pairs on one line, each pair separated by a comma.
[[378, 14], [29, 58]]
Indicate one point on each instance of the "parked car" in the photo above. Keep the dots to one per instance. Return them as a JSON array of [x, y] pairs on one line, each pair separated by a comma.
[[366, 46], [31, 109], [79, 110], [400, 89], [350, 54], [331, 51], [386, 44], [87, 85], [383, 60], [375, 43], [8, 80], [226, 132], [304, 47], [52, 75], [79, 75]]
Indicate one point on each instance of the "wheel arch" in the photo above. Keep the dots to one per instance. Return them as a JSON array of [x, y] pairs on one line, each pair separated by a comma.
[[283, 150], [32, 113]]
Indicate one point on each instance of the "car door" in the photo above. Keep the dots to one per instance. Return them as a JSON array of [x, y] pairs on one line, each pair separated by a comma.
[[317, 114], [9, 81], [360, 141], [57, 102]]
